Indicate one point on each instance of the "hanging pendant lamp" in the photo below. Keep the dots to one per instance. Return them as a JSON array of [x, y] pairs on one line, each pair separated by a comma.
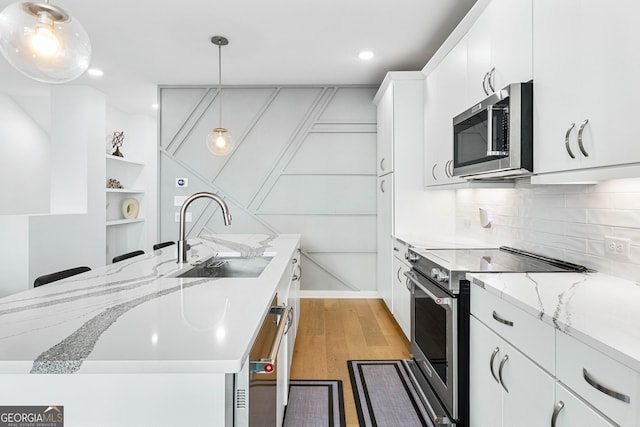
[[44, 42], [219, 140]]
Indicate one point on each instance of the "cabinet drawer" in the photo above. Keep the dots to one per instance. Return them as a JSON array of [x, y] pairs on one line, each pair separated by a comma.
[[400, 249], [525, 332], [608, 385]]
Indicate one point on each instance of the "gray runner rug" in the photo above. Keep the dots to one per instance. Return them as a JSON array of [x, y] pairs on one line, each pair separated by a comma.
[[315, 403], [384, 395]]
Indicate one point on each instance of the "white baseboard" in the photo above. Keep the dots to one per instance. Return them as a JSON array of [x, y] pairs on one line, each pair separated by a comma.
[[340, 294]]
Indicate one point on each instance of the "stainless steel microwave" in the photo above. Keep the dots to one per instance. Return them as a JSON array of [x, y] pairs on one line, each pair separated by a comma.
[[494, 138]]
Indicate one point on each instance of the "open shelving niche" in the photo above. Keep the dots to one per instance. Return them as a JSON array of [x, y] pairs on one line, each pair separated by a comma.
[[124, 235]]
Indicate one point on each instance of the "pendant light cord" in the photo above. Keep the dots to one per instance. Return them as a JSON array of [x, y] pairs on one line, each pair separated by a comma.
[[220, 79]]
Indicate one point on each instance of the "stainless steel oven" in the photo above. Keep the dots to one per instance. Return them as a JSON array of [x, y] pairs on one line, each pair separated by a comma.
[[439, 346], [440, 312]]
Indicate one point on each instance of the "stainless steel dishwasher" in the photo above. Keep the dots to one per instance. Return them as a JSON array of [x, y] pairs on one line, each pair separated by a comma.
[[255, 386]]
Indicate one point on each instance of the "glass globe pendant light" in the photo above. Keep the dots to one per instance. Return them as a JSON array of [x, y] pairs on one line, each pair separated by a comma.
[[44, 42], [219, 140]]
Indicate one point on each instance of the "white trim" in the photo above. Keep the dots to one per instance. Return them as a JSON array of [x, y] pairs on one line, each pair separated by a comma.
[[340, 294]]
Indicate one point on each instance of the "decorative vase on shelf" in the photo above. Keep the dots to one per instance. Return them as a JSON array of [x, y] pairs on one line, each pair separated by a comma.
[[130, 208]]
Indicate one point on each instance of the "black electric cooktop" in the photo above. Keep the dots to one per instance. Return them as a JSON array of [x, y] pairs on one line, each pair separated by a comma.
[[501, 260], [449, 266]]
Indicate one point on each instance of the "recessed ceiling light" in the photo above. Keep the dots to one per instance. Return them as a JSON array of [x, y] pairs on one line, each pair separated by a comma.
[[365, 55], [95, 72]]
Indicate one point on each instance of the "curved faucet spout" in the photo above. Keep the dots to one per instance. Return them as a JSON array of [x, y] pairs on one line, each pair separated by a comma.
[[182, 240]]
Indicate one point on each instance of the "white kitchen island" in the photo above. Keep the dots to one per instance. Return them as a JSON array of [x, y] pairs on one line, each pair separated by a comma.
[[128, 345]]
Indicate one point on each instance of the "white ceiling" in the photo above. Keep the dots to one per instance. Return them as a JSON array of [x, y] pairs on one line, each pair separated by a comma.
[[140, 44]]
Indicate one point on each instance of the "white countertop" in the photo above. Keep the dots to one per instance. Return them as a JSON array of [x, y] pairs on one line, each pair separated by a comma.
[[600, 310], [422, 242], [129, 317]]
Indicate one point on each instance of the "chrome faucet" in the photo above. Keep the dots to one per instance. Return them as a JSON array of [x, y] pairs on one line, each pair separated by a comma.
[[182, 240]]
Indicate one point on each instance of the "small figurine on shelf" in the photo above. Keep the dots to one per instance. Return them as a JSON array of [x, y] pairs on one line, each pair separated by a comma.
[[114, 183], [116, 142]]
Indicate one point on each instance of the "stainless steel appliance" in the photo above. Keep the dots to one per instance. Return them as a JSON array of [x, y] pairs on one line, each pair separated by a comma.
[[255, 386], [440, 310], [495, 137]]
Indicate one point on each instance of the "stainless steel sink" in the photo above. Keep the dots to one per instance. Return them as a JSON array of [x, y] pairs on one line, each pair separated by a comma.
[[228, 266]]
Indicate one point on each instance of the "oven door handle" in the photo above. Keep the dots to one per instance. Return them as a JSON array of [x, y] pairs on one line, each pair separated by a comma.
[[437, 300]]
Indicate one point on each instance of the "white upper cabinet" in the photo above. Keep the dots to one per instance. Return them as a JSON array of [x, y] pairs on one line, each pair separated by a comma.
[[495, 52], [499, 48], [445, 97], [385, 132], [586, 89]]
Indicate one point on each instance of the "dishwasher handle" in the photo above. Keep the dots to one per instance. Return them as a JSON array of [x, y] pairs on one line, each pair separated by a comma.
[[267, 365]]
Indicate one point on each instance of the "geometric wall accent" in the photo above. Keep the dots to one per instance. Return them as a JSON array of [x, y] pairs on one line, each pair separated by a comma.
[[304, 162]]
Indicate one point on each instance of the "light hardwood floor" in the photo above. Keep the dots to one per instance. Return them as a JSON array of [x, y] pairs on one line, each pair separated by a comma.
[[332, 331]]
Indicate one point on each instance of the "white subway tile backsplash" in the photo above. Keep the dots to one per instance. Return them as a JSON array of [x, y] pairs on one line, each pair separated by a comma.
[[597, 201], [554, 213], [627, 201], [595, 248], [619, 218], [630, 233], [588, 231], [626, 270], [549, 200], [564, 221]]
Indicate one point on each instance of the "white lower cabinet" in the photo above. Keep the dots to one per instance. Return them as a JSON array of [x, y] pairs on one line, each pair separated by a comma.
[[384, 230], [401, 293], [608, 385], [571, 411], [523, 372], [506, 388]]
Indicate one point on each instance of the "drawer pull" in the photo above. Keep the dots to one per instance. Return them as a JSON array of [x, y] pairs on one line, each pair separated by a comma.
[[593, 383], [501, 320], [556, 411], [493, 356], [502, 362]]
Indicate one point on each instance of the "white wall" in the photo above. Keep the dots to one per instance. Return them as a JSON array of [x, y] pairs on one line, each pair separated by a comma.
[[24, 161], [305, 162], [562, 221]]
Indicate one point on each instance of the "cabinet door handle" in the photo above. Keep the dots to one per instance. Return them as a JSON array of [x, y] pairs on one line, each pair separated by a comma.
[[484, 84], [407, 283], [502, 362], [382, 164], [398, 275], [492, 76], [501, 320], [298, 275], [595, 384], [433, 171], [566, 141], [580, 130], [493, 357], [382, 185], [556, 411], [294, 261], [451, 168]]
